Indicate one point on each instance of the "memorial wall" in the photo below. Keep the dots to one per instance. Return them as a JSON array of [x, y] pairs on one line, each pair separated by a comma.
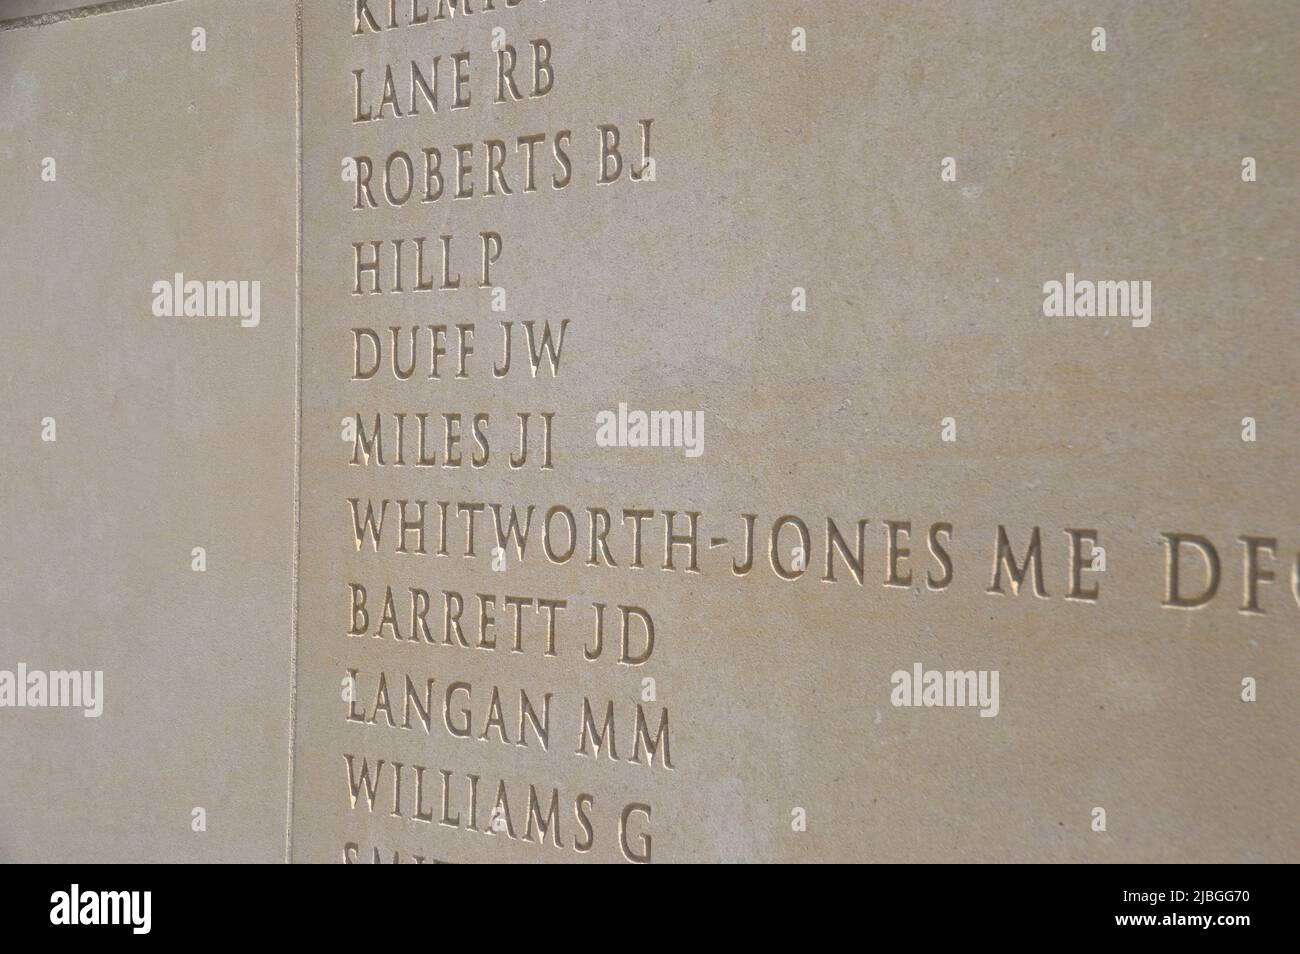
[[573, 431]]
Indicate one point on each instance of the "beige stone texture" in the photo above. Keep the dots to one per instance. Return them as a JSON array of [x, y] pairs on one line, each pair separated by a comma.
[[776, 169], [821, 170], [18, 9], [172, 433]]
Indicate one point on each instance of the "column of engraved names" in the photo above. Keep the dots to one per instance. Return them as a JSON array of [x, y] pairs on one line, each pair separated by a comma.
[[406, 432]]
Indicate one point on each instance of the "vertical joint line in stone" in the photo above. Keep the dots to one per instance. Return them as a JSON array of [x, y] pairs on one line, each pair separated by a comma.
[[297, 430]]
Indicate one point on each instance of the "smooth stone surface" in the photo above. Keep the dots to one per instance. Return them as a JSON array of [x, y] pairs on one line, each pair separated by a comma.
[[776, 170], [821, 170], [171, 433]]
